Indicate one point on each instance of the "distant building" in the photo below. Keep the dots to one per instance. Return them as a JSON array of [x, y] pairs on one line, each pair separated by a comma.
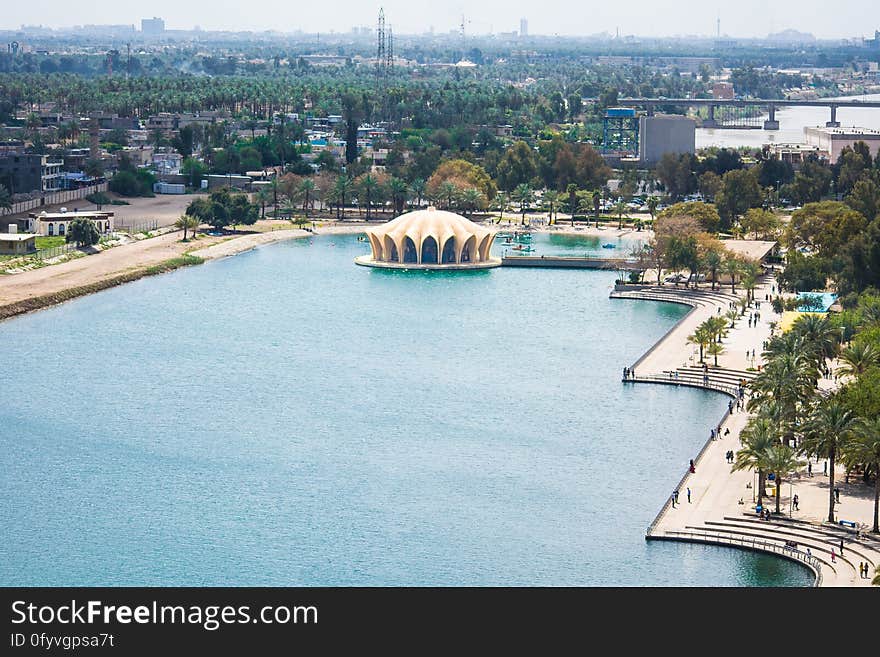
[[722, 91], [523, 27], [58, 223], [834, 140], [665, 133], [21, 173], [152, 27], [17, 243]]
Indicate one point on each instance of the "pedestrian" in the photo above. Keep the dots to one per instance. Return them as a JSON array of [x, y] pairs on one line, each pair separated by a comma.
[[632, 373], [837, 494], [727, 431], [796, 503], [809, 468], [689, 495], [833, 556], [692, 469], [841, 547], [712, 434], [825, 468], [730, 407]]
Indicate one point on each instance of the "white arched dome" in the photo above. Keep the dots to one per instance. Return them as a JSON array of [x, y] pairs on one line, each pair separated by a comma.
[[430, 239]]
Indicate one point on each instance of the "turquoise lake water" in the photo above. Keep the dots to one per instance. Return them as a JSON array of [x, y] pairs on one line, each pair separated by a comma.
[[569, 244], [284, 417]]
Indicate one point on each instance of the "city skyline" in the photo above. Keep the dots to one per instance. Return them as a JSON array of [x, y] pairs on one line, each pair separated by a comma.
[[685, 18]]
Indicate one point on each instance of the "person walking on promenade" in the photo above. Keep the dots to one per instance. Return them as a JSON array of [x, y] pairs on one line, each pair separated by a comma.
[[825, 468], [674, 498], [809, 468], [795, 500], [841, 547], [689, 495], [692, 468], [833, 556], [837, 495]]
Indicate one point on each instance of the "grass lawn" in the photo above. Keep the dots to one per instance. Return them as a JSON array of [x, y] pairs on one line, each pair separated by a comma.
[[49, 242]]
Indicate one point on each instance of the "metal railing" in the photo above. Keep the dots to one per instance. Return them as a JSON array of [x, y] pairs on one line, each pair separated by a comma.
[[758, 545], [727, 389]]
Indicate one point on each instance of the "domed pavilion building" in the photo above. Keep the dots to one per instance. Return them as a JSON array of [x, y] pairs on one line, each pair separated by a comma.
[[430, 239]]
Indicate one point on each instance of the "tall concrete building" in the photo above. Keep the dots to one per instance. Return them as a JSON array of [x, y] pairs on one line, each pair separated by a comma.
[[523, 27], [152, 27], [665, 133]]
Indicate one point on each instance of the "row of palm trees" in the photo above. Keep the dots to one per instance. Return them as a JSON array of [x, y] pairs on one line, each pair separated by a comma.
[[793, 419], [708, 335]]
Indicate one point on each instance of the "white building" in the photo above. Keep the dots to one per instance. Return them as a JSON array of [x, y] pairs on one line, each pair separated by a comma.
[[834, 140], [58, 223]]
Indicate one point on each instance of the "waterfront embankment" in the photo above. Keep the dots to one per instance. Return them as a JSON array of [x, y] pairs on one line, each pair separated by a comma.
[[716, 505]]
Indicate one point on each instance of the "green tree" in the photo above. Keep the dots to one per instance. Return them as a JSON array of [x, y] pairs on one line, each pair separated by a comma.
[[516, 167], [827, 433], [759, 435], [524, 196], [185, 223], [782, 461], [739, 192], [83, 232], [864, 449]]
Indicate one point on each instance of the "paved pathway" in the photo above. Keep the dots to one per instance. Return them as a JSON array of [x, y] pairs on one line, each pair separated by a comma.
[[721, 507]]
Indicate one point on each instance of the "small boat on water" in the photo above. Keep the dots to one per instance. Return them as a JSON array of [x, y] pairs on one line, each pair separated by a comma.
[[608, 246]]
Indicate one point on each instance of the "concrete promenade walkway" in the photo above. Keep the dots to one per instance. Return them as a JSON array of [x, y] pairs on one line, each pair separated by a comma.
[[721, 509]]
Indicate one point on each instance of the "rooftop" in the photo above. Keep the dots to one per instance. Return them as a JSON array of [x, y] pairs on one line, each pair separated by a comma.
[[55, 216], [752, 249], [16, 237]]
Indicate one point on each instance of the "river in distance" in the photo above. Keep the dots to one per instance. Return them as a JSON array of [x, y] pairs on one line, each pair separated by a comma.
[[284, 417], [792, 121]]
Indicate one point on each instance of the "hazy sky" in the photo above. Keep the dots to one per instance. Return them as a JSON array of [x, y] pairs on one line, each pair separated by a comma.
[[743, 18]]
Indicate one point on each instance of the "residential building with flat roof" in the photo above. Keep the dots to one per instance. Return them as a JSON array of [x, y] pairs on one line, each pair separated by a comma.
[[834, 140]]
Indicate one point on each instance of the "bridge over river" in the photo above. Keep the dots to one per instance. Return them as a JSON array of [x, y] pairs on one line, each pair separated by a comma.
[[768, 105]]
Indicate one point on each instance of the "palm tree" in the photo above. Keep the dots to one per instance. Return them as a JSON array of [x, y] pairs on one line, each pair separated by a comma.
[[186, 222], [471, 198], [263, 196], [732, 268], [732, 315], [341, 190], [713, 261], [620, 209], [448, 193], [715, 349], [827, 433], [306, 191], [820, 335], [858, 357], [523, 195], [597, 203], [417, 190], [782, 461], [757, 437], [701, 336], [572, 191], [717, 326], [551, 199], [865, 450], [502, 202], [399, 190], [369, 187], [652, 204]]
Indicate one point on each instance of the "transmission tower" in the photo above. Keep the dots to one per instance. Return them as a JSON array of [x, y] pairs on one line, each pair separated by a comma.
[[389, 59], [380, 49]]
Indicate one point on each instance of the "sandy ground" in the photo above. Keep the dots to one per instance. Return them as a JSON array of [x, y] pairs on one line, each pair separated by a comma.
[[145, 253]]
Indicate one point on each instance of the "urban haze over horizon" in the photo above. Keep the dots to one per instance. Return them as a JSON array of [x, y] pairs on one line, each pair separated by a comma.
[[693, 18]]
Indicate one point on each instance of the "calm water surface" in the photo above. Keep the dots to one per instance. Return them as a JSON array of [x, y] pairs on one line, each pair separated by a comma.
[[284, 417]]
